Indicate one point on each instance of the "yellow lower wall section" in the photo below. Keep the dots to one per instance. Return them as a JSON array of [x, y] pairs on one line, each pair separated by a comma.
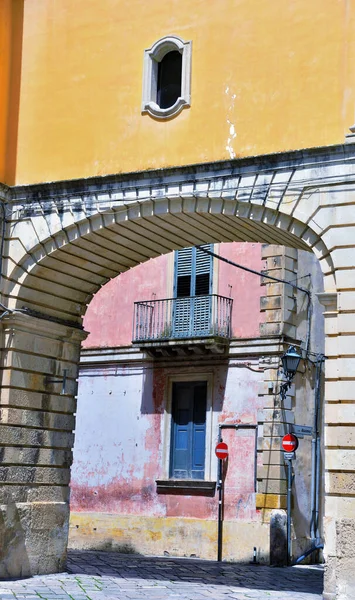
[[160, 536]]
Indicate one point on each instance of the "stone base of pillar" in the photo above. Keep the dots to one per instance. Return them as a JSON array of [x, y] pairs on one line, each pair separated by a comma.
[[339, 575], [278, 538], [33, 538], [36, 423]]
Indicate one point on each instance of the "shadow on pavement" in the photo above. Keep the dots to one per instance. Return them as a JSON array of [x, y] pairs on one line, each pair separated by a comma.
[[307, 579]]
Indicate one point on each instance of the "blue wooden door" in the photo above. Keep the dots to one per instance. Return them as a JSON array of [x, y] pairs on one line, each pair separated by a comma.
[[188, 433]]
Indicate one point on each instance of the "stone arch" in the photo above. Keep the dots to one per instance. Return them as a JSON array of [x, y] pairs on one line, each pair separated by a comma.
[[54, 275], [303, 200]]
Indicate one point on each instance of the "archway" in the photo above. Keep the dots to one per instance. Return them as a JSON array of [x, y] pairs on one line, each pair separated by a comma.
[[65, 240]]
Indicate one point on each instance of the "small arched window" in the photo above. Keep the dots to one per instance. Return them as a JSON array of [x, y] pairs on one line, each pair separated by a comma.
[[166, 78]]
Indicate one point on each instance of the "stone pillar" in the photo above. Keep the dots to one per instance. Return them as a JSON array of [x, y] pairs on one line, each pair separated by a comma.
[[339, 521], [36, 424], [279, 307]]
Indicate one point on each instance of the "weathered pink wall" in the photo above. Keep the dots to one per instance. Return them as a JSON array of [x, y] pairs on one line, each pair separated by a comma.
[[118, 453], [109, 318], [117, 463], [246, 289]]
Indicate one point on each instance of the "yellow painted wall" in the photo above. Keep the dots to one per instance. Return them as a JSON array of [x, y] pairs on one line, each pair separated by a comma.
[[282, 72], [11, 18], [5, 54], [174, 536]]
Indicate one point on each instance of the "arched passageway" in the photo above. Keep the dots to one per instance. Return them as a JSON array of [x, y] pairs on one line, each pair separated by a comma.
[[65, 240]]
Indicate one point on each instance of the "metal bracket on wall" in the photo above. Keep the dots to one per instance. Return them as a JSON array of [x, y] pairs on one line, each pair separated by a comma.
[[63, 381]]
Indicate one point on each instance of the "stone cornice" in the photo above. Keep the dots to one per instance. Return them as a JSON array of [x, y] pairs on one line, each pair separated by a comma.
[[40, 326], [263, 162], [254, 179], [240, 348]]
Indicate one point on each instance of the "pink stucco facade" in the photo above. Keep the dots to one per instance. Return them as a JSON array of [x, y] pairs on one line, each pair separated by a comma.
[[124, 416], [109, 318], [120, 444], [123, 494], [120, 454], [242, 286], [124, 419]]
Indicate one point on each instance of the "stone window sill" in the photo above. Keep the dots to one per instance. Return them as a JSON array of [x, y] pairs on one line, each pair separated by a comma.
[[186, 486], [164, 113]]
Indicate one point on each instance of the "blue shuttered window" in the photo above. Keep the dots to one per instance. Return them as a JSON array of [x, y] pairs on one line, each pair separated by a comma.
[[188, 433], [192, 290]]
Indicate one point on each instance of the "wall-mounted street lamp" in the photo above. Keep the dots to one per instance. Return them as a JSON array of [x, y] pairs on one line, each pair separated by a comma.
[[290, 361]]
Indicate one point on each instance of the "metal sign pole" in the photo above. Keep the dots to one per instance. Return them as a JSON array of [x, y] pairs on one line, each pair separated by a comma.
[[289, 500], [220, 515]]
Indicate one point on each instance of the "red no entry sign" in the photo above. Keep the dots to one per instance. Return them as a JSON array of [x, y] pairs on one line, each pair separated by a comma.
[[221, 450], [289, 442]]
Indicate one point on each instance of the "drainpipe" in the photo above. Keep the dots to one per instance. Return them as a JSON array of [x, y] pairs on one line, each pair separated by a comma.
[[316, 458], [313, 486], [316, 455], [318, 449], [220, 486], [313, 549]]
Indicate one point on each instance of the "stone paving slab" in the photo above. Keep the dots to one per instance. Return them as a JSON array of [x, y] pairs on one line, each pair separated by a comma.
[[112, 576]]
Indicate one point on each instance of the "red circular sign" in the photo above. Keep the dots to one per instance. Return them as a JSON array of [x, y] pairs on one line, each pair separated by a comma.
[[221, 450], [289, 442]]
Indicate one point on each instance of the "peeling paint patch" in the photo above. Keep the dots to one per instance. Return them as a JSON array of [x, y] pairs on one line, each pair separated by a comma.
[[133, 497], [232, 132]]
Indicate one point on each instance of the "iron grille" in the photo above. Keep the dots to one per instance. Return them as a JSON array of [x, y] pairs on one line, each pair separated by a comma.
[[182, 318]]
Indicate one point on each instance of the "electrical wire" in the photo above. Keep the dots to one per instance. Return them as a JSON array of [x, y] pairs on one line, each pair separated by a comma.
[[253, 271], [278, 280]]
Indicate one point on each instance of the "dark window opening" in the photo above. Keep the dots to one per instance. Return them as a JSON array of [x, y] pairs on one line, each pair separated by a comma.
[[202, 285], [169, 79], [183, 286]]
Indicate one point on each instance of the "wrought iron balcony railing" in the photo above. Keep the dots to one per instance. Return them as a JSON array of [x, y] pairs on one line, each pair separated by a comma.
[[182, 318]]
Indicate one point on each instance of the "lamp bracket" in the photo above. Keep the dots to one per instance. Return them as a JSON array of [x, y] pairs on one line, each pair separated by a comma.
[[62, 380]]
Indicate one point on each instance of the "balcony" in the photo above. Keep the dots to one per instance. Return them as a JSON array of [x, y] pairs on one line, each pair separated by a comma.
[[183, 326]]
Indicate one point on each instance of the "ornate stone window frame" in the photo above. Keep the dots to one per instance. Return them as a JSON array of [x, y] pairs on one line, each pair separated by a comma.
[[152, 56], [211, 428]]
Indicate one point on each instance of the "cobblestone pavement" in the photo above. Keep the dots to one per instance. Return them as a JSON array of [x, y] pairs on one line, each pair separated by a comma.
[[109, 576]]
